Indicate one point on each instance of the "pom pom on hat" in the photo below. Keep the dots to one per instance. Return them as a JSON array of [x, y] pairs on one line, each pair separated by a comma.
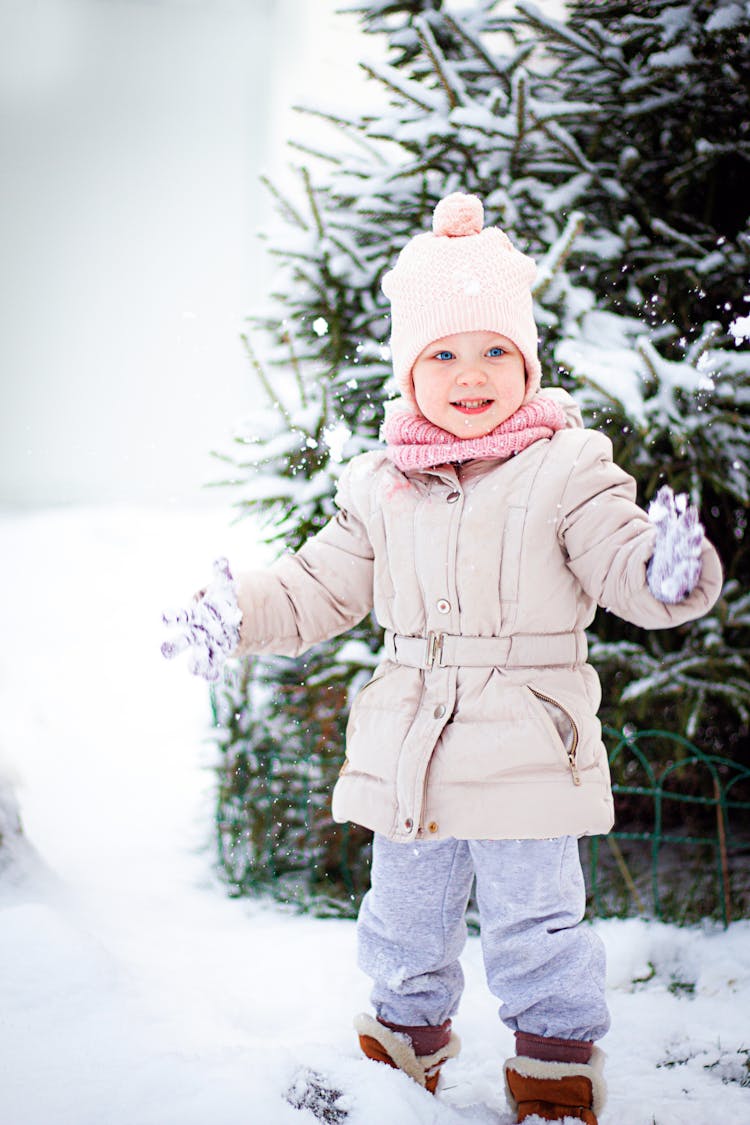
[[458, 215], [460, 277]]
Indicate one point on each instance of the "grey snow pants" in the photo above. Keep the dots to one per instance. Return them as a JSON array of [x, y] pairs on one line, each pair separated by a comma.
[[546, 970]]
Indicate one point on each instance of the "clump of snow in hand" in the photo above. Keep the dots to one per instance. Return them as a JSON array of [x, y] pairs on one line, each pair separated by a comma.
[[674, 568], [209, 628]]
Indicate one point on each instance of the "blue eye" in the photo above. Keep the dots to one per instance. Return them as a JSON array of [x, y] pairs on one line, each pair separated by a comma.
[[445, 354], [495, 352]]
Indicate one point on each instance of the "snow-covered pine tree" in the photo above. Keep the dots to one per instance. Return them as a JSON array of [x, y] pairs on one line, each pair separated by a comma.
[[461, 107], [667, 135]]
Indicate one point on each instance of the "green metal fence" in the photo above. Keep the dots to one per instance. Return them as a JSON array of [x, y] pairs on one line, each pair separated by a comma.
[[684, 849], [680, 850]]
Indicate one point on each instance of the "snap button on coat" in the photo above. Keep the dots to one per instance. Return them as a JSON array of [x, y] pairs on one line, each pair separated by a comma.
[[443, 605]]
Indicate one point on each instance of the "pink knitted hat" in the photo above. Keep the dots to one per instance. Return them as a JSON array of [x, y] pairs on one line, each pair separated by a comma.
[[460, 278]]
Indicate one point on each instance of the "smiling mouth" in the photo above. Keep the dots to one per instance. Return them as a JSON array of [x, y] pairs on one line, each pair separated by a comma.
[[473, 405]]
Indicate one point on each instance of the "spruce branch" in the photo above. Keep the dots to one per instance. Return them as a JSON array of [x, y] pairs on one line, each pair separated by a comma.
[[680, 237], [329, 116], [455, 91], [650, 357], [504, 73], [288, 339], [558, 254], [390, 78], [257, 366], [310, 192], [348, 250], [287, 210], [546, 25], [709, 333], [653, 105], [604, 394], [308, 150], [665, 264], [428, 162], [518, 85], [565, 141], [353, 129]]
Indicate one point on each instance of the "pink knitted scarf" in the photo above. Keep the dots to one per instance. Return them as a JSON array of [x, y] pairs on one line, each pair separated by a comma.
[[415, 443]]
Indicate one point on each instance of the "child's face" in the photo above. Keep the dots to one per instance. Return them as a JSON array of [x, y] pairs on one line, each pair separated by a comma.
[[469, 382]]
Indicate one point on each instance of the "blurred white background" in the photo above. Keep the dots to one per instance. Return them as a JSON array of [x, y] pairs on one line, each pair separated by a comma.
[[132, 136]]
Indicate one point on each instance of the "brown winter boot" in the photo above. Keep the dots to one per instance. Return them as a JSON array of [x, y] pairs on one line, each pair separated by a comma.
[[419, 1051], [556, 1090]]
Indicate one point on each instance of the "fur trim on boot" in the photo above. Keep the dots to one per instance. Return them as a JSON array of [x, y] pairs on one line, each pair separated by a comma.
[[395, 1049], [556, 1090]]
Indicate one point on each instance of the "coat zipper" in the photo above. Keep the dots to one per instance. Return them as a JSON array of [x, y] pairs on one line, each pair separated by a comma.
[[423, 802], [574, 748]]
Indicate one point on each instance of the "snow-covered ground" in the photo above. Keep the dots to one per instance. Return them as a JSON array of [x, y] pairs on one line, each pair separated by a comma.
[[134, 992]]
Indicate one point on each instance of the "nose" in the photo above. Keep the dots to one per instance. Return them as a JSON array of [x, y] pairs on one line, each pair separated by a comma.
[[471, 375]]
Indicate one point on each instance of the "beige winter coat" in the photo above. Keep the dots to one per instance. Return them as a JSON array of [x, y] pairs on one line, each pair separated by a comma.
[[480, 722]]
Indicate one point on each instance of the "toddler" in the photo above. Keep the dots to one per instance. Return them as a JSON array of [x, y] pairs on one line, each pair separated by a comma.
[[483, 534]]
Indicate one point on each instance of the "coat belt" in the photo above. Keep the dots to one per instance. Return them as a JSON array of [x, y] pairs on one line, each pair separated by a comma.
[[522, 650]]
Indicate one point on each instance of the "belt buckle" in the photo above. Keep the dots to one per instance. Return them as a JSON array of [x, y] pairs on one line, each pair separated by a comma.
[[434, 650]]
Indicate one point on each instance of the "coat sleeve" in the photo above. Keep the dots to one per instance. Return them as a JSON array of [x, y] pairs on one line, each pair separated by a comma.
[[609, 540], [320, 591]]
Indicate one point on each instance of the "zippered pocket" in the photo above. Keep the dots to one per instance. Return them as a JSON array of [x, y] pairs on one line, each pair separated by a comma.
[[566, 727]]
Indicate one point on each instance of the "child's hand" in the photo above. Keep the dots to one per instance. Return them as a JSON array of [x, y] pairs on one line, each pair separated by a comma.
[[675, 566], [211, 626]]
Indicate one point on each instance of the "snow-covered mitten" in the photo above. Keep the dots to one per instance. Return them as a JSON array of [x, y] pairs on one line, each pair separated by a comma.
[[418, 1051], [210, 627], [675, 566]]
